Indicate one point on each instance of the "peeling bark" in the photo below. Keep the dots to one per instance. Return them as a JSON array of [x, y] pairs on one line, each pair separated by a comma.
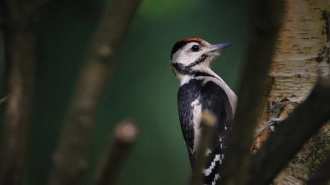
[[301, 54]]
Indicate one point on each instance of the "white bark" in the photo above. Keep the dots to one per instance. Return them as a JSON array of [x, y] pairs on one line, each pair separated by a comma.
[[302, 50]]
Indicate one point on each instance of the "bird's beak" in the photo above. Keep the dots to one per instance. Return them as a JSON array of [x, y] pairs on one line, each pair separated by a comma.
[[217, 48]]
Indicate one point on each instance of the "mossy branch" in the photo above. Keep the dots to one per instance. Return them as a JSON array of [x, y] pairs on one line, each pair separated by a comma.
[[321, 175]]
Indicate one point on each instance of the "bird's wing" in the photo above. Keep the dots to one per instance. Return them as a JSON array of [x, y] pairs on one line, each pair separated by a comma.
[[210, 97], [187, 94], [214, 99]]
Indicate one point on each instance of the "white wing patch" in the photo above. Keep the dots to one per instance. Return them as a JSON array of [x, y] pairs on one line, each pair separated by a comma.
[[216, 177], [197, 117], [209, 170], [218, 157]]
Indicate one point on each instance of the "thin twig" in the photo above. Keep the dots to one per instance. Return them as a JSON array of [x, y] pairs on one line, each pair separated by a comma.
[[275, 109], [3, 100], [125, 137], [208, 125], [70, 161], [290, 135], [267, 21], [321, 175], [268, 124], [20, 55]]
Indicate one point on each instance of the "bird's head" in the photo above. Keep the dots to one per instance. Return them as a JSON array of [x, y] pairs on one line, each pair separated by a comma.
[[194, 55]]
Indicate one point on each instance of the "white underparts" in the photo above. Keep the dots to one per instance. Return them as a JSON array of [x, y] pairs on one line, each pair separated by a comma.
[[197, 110]]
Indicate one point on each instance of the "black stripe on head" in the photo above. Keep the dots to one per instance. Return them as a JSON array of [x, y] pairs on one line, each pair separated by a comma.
[[178, 45], [195, 73], [181, 68], [201, 59], [187, 69]]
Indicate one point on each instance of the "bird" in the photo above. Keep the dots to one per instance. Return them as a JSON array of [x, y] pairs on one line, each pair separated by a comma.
[[200, 90]]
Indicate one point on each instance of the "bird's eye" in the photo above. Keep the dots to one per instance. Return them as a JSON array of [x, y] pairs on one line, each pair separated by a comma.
[[195, 48]]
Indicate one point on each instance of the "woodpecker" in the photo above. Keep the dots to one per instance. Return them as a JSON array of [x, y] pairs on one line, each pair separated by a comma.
[[202, 89]]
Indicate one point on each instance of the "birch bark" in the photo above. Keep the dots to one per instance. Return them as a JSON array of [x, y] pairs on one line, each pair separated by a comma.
[[302, 50]]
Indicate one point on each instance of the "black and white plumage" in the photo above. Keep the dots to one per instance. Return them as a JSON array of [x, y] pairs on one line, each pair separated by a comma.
[[202, 89]]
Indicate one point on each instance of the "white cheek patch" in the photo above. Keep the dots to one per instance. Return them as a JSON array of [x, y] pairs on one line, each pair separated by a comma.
[[185, 56], [189, 57]]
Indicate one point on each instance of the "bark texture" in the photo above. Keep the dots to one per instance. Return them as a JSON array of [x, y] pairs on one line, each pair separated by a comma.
[[302, 53], [266, 20], [20, 55]]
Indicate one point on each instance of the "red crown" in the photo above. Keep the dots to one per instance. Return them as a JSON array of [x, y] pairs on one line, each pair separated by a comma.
[[192, 40]]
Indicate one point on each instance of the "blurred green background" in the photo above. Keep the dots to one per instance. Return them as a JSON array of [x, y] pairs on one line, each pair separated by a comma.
[[142, 85]]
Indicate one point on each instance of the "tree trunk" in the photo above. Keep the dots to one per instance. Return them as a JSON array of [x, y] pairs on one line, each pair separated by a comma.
[[302, 50]]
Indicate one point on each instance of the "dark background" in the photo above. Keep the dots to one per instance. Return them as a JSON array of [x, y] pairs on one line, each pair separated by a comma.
[[142, 84]]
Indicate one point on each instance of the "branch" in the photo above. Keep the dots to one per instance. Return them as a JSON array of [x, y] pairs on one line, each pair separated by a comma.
[[267, 21], [208, 124], [268, 124], [291, 134], [20, 55], [275, 108], [70, 161], [321, 176], [126, 135], [3, 100]]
